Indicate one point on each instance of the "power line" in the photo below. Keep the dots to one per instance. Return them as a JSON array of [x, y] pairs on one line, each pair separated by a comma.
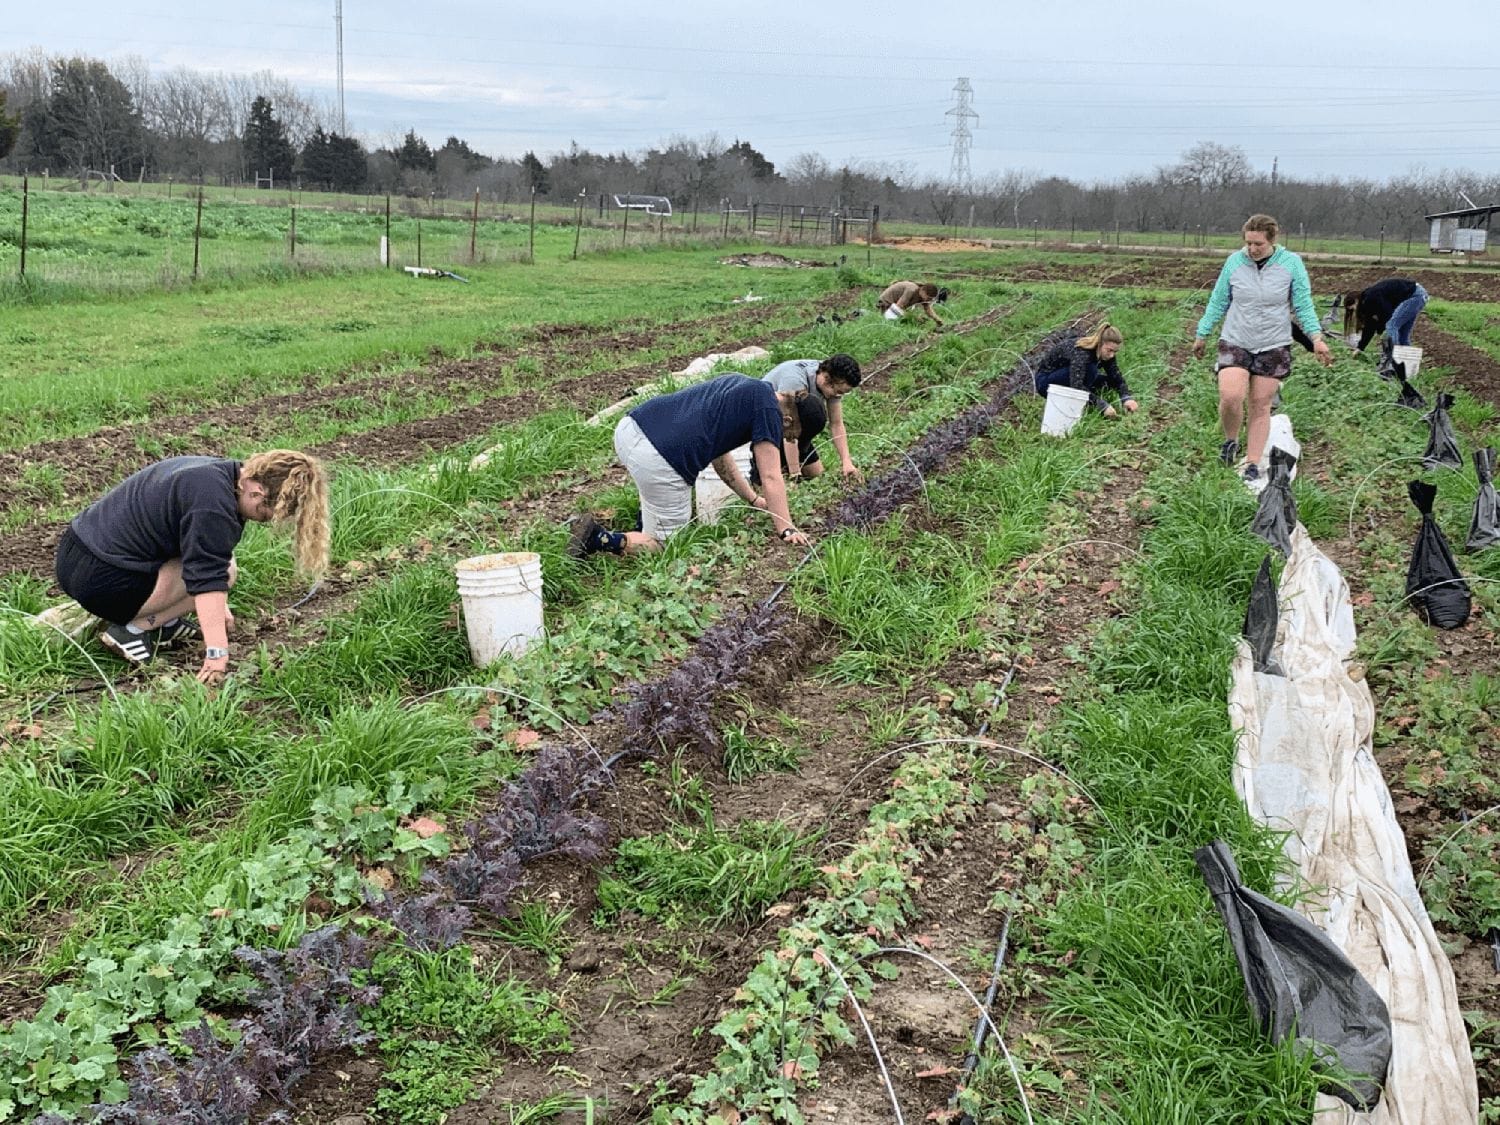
[[338, 23], [961, 113]]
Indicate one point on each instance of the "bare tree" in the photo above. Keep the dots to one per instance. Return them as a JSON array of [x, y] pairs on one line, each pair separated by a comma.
[[187, 111]]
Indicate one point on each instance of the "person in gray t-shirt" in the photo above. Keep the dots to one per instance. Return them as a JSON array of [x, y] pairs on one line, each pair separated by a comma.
[[828, 381]]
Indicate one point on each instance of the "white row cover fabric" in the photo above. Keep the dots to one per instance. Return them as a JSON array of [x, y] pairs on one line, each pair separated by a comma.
[[1304, 765]]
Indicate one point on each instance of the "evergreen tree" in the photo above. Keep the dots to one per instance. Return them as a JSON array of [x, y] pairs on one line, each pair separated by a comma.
[[755, 163], [536, 173], [349, 162], [88, 121], [415, 155], [10, 129], [315, 165], [468, 159], [268, 152]]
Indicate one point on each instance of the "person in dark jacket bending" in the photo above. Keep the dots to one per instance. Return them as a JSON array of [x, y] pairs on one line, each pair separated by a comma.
[[1390, 305], [160, 544], [1087, 363]]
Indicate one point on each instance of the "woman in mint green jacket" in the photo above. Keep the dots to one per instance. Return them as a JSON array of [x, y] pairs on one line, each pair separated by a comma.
[[1259, 291]]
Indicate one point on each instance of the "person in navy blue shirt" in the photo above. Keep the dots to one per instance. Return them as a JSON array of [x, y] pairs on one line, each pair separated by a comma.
[[667, 441]]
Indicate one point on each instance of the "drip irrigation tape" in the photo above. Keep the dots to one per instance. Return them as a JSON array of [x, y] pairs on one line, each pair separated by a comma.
[[1468, 823], [1354, 500], [971, 1061], [491, 689], [983, 1013]]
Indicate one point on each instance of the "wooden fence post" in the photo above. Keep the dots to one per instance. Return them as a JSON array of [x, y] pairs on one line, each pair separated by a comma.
[[25, 211], [294, 230], [474, 225], [197, 232], [531, 244]]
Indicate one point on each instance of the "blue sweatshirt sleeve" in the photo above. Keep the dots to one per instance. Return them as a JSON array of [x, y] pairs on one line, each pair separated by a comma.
[[1218, 301], [1302, 298]]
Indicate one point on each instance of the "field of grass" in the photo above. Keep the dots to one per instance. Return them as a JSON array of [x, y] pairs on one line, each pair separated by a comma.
[[995, 689]]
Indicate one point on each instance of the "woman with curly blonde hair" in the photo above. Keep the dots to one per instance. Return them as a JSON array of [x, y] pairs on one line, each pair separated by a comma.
[[160, 545]]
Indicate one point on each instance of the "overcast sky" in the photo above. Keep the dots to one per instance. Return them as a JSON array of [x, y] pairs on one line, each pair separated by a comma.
[[1083, 88]]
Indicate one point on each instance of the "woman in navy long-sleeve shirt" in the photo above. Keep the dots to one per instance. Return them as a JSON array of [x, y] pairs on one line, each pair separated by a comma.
[[1088, 363]]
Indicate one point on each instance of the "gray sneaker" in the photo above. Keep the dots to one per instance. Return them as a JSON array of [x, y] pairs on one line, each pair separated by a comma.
[[1229, 451]]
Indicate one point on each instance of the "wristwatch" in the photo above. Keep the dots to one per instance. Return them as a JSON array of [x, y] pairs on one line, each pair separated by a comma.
[[212, 653], [787, 532]]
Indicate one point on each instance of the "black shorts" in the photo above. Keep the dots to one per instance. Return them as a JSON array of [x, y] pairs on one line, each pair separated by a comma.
[[105, 590], [1273, 363], [807, 454]]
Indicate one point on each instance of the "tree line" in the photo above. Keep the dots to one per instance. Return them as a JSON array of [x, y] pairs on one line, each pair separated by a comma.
[[80, 116]]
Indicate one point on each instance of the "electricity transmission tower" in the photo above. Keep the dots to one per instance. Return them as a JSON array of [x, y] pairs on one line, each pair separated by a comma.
[[338, 28], [961, 113]]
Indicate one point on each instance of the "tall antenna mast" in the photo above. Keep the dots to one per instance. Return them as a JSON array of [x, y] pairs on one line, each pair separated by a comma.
[[961, 113], [338, 26]]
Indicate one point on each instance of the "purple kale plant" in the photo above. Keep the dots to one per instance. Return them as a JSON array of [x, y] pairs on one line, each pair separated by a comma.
[[676, 712], [426, 922], [212, 1086], [537, 816], [304, 1004], [538, 811]]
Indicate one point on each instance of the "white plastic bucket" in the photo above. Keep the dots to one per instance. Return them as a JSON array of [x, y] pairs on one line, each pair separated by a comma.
[[1409, 354], [502, 599], [892, 312], [1064, 407], [711, 494]]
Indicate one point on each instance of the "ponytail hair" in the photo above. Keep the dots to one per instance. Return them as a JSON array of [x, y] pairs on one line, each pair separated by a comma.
[[296, 487], [1106, 333]]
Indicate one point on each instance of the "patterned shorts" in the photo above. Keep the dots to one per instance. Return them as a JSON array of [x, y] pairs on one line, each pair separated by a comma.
[[1273, 363]]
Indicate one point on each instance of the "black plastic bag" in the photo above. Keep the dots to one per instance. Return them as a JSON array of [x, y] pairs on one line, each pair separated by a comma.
[[1386, 366], [1484, 526], [1261, 616], [1442, 443], [1433, 582], [1409, 397], [1276, 513], [1299, 983]]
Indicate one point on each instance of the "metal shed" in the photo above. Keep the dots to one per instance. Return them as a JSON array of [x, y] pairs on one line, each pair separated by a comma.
[[1465, 231]]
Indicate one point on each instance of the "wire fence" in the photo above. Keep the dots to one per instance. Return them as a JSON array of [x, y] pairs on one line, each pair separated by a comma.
[[121, 236], [114, 236]]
